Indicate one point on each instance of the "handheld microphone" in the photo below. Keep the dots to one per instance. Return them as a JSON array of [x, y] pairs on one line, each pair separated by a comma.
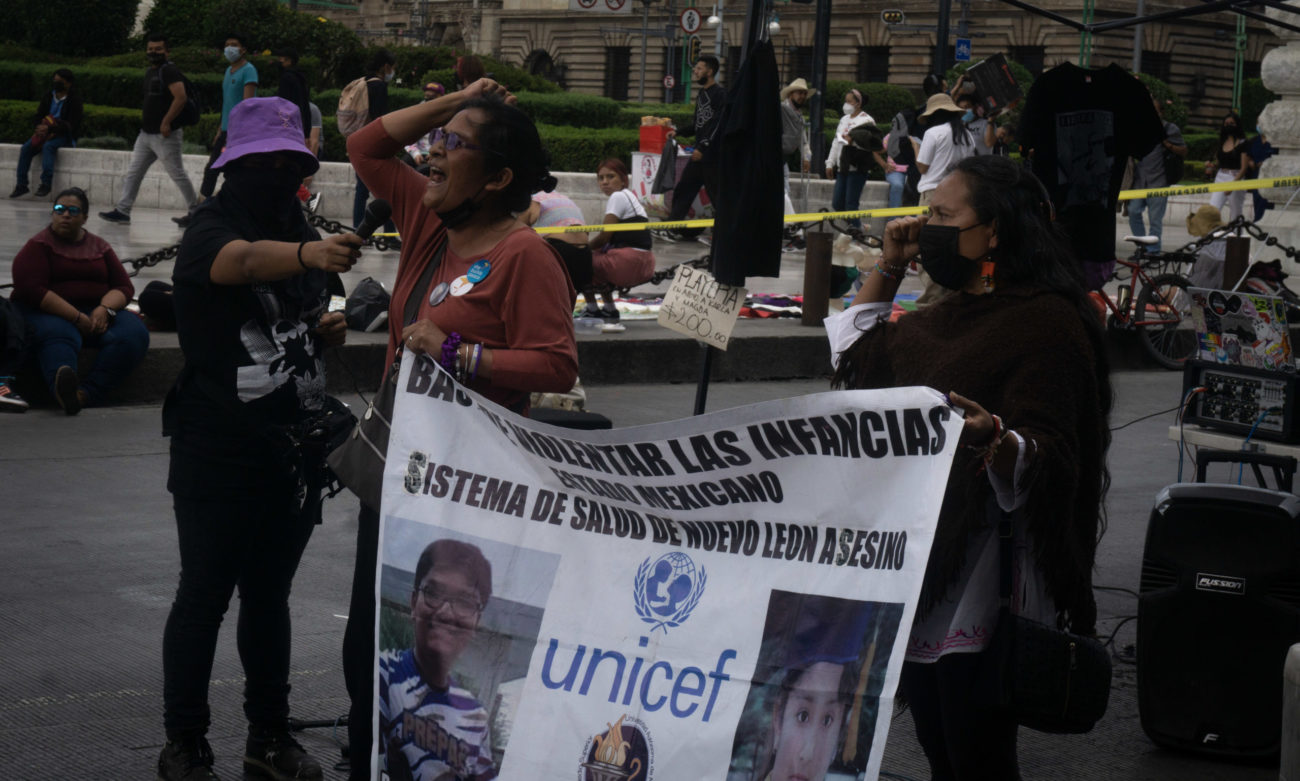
[[377, 213]]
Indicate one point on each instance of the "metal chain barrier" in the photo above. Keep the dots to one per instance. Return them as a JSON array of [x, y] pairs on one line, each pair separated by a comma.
[[381, 243]]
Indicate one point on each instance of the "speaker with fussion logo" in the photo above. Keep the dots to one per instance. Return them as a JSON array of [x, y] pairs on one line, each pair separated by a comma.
[[1218, 610]]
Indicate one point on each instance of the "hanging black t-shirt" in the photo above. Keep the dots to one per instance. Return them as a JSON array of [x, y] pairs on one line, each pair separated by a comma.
[[157, 95], [1083, 125], [254, 345], [748, 221]]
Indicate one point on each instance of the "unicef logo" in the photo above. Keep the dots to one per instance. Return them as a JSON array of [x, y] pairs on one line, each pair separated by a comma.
[[667, 589]]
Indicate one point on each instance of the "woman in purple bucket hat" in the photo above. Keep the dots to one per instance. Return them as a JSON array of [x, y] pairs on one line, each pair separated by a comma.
[[253, 321]]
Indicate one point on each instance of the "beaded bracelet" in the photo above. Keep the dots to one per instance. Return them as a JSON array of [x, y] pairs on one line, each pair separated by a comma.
[[894, 272], [449, 352]]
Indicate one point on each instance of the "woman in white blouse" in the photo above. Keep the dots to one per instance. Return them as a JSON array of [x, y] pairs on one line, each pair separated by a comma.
[[619, 259]]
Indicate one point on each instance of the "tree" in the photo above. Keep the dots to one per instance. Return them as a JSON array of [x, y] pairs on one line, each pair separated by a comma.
[[267, 24], [81, 28]]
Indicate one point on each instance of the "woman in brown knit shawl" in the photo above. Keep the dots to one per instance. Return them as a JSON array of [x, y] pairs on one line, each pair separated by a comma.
[[1018, 340]]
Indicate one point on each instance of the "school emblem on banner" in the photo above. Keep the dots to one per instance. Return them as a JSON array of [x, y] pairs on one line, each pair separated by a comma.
[[667, 589], [621, 753]]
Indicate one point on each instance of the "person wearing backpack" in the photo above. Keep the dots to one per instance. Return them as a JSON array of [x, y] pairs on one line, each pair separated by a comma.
[[1156, 170], [161, 134], [383, 65]]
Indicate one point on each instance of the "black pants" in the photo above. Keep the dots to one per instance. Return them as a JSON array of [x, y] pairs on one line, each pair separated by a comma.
[[961, 737], [359, 645], [695, 175], [252, 543], [209, 185]]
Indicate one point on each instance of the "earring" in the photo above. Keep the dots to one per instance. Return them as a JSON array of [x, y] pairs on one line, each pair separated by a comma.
[[986, 275]]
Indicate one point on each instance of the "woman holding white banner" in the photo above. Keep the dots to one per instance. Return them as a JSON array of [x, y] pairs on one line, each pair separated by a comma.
[[495, 302], [1017, 338]]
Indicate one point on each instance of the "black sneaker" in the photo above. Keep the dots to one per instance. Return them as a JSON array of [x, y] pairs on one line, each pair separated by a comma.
[[19, 191], [186, 760], [183, 220], [666, 234], [10, 401], [65, 390], [43, 190], [274, 754], [115, 216]]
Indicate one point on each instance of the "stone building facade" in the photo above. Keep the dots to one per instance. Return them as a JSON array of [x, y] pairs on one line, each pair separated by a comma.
[[600, 53]]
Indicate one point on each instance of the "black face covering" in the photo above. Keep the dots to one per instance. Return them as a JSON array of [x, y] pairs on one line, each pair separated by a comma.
[[269, 196], [156, 58], [457, 216], [942, 260]]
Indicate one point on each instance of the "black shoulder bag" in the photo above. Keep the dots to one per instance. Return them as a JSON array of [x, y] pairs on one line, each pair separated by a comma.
[[1046, 679], [358, 462]]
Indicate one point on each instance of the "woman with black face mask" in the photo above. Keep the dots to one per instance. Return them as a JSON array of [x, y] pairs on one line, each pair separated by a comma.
[[251, 314], [496, 306], [1233, 163], [1020, 342]]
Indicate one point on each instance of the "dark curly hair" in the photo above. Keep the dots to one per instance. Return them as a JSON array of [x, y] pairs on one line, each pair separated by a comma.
[[509, 140]]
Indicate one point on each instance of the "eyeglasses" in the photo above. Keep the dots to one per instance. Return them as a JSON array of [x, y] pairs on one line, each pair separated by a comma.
[[452, 140], [461, 606], [75, 211]]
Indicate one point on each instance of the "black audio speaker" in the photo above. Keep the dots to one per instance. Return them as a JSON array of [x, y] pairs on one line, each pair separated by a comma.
[[1219, 608]]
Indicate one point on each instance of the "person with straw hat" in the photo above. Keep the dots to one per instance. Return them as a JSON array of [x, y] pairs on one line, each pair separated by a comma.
[[946, 142], [1208, 269]]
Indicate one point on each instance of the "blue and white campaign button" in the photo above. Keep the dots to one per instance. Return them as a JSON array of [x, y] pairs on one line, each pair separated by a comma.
[[479, 271], [461, 285], [438, 293]]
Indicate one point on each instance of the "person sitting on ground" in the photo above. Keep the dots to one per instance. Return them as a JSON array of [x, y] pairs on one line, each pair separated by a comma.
[[499, 304], [557, 210], [58, 121], [71, 289], [420, 701], [619, 258]]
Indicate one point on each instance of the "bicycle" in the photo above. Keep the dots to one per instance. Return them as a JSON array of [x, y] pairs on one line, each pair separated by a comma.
[[1161, 312]]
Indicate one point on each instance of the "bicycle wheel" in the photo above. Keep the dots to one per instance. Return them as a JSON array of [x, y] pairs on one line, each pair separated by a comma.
[[1163, 320]]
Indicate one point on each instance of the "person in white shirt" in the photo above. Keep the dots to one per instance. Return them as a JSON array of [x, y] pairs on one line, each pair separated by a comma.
[[946, 142], [619, 258], [847, 163]]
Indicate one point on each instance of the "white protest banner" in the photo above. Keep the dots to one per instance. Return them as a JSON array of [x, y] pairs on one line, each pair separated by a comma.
[[660, 602], [699, 306]]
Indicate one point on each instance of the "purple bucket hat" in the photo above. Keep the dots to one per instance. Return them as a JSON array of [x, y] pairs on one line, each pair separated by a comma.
[[261, 125]]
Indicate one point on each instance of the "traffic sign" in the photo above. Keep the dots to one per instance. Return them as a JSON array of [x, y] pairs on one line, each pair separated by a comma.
[[693, 48], [892, 16], [691, 20], [961, 52], [669, 81]]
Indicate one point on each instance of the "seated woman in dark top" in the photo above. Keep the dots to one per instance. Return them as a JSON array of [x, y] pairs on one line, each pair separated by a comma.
[[71, 290]]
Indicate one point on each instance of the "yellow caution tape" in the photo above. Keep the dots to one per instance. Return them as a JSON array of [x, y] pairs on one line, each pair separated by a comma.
[[1201, 189], [907, 211]]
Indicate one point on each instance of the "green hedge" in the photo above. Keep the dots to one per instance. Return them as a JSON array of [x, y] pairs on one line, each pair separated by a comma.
[[1174, 109], [1201, 146], [116, 87], [16, 122], [571, 109], [581, 149], [883, 100], [682, 115]]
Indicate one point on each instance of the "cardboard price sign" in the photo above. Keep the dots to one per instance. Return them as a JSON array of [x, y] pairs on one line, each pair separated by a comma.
[[698, 306]]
